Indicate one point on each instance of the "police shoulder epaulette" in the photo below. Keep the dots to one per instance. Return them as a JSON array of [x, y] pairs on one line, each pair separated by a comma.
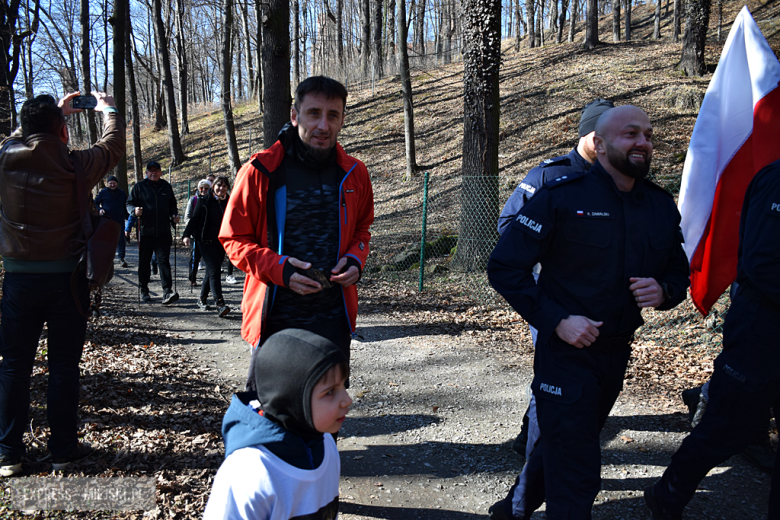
[[562, 179], [556, 161]]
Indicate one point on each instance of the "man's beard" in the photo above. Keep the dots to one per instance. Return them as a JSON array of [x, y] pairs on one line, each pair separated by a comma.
[[316, 154], [624, 165]]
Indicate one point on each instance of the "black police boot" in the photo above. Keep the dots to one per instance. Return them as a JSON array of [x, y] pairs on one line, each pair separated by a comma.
[[659, 513], [691, 399], [501, 510]]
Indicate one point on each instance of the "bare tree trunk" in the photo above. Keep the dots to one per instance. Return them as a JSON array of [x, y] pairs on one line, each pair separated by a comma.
[[539, 32], [227, 69], [530, 11], [657, 21], [676, 21], [378, 38], [118, 22], [260, 46], [628, 20], [720, 20], [296, 51], [519, 22], [276, 69], [697, 19], [365, 37], [420, 27], [479, 188], [406, 88], [181, 70], [554, 16], [573, 20], [86, 74], [616, 20], [391, 29], [250, 71], [592, 25], [562, 20], [177, 154], [136, 123], [340, 32]]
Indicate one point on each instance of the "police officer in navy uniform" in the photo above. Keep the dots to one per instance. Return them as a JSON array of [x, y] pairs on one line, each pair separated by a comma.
[[611, 245], [576, 162], [746, 377]]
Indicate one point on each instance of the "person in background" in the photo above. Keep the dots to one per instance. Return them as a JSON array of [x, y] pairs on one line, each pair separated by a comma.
[[204, 185], [153, 201], [111, 202], [204, 228]]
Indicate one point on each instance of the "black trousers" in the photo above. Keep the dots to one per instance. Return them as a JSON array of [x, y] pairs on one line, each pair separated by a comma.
[[337, 330], [213, 253], [161, 247]]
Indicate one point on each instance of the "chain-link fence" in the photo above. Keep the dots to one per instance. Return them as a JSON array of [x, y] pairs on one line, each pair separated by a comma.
[[456, 264]]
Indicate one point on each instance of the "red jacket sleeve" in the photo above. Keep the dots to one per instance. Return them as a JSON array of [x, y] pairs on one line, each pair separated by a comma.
[[244, 228]]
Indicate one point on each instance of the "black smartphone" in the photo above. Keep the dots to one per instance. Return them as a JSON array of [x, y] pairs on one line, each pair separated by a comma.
[[84, 102], [318, 275]]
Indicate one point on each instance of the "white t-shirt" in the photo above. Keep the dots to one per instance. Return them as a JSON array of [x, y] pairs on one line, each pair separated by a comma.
[[255, 484]]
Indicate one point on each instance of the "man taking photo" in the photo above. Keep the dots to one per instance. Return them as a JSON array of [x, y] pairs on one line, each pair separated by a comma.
[[40, 233]]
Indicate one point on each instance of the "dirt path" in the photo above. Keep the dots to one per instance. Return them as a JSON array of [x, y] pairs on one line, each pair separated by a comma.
[[428, 436]]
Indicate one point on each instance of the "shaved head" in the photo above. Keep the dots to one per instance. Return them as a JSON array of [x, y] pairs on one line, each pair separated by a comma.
[[624, 144], [613, 120]]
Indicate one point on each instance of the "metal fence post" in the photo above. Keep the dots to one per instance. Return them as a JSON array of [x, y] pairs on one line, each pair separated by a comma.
[[422, 239]]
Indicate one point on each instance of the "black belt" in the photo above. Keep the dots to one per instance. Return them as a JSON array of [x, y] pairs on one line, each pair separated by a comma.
[[611, 343]]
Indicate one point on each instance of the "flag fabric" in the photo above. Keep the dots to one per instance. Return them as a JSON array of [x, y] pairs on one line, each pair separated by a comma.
[[736, 134]]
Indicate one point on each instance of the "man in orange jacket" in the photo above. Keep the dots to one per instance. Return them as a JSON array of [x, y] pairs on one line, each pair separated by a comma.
[[301, 206]]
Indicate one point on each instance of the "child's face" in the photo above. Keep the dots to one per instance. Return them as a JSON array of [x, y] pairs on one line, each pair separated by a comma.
[[330, 402]]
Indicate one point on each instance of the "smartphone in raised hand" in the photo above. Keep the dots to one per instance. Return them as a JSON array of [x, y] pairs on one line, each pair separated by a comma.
[[89, 102]]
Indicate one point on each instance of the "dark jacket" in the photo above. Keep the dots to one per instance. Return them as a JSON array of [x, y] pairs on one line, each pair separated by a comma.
[[570, 164], [206, 219], [39, 212], [159, 204], [590, 238], [113, 203]]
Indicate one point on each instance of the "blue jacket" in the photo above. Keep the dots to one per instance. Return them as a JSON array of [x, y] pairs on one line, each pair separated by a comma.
[[571, 164], [113, 203], [590, 238], [243, 426]]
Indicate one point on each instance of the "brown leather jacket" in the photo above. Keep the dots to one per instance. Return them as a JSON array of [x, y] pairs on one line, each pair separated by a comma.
[[39, 213]]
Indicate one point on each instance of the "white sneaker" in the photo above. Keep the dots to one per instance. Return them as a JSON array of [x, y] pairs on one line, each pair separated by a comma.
[[231, 279]]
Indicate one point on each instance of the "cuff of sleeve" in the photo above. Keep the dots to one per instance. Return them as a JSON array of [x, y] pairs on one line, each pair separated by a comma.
[[350, 262], [289, 270], [108, 110], [553, 314]]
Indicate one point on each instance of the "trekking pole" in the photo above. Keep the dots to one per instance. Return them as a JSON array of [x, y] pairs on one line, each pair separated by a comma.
[[138, 237], [175, 239]]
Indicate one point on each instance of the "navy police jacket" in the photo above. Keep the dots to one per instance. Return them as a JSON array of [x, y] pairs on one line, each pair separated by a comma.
[[590, 238], [759, 236], [571, 164]]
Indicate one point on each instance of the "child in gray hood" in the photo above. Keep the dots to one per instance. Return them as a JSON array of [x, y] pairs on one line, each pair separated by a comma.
[[280, 463]]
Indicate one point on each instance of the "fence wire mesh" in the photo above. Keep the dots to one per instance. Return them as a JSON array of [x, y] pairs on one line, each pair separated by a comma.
[[456, 255]]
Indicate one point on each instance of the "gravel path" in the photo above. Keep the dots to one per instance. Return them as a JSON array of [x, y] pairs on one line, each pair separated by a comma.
[[434, 414]]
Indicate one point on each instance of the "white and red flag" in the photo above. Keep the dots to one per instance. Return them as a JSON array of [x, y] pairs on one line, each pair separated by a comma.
[[736, 134]]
